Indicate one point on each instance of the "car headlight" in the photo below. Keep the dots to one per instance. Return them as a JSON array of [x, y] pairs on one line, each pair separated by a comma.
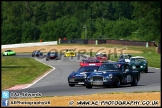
[[110, 76], [144, 64], [133, 67], [85, 76]]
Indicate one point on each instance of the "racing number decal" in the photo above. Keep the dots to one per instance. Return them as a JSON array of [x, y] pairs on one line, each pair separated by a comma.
[[128, 78]]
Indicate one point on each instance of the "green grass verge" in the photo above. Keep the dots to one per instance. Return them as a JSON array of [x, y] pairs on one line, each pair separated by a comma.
[[20, 71]]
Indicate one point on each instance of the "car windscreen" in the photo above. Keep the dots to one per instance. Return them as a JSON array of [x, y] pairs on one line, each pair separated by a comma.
[[53, 53], [137, 59], [91, 61], [37, 51], [8, 51], [108, 67], [127, 57], [88, 68]]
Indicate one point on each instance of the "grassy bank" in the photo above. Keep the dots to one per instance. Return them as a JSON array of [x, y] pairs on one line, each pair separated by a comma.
[[20, 71]]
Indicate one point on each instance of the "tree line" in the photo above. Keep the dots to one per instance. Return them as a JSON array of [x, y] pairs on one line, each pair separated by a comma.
[[30, 21]]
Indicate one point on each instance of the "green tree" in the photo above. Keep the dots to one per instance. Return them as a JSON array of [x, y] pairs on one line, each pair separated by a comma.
[[30, 32]]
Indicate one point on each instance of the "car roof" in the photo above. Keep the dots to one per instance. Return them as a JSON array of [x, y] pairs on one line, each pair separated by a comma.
[[8, 50], [137, 57]]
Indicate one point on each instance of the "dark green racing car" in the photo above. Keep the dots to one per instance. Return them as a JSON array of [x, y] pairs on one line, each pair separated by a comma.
[[139, 63]]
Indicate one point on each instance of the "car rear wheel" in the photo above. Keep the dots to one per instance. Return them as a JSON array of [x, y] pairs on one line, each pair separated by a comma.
[[107, 86], [56, 58], [135, 81], [117, 82], [88, 86], [71, 85]]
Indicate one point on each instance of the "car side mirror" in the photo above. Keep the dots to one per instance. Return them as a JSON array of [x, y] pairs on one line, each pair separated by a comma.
[[73, 71]]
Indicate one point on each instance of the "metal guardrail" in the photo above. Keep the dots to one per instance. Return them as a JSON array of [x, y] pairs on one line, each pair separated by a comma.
[[110, 41], [29, 44]]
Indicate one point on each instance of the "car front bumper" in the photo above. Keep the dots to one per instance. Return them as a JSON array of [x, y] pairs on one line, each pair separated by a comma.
[[52, 57], [99, 83], [76, 81], [139, 69]]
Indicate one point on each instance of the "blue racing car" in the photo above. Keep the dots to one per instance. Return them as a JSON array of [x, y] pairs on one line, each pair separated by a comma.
[[37, 53], [78, 77], [112, 74], [52, 55]]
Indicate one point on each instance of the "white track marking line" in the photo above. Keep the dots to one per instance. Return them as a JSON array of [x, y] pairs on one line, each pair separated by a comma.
[[53, 68]]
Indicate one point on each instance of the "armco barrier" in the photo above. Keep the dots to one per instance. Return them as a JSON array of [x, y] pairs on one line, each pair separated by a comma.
[[109, 41], [29, 44], [74, 41], [133, 43]]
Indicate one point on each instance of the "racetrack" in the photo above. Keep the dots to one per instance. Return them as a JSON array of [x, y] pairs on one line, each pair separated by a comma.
[[55, 83]]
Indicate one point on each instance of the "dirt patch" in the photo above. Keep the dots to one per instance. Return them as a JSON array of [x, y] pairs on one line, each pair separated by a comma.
[[77, 49], [134, 99]]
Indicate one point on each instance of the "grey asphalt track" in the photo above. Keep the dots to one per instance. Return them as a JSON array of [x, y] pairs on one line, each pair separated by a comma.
[[55, 83]]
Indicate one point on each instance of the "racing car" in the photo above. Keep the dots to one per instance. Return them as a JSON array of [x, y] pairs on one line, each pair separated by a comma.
[[139, 63], [124, 58], [69, 53], [52, 55], [78, 77], [37, 53], [102, 57], [110, 74], [90, 61], [8, 53]]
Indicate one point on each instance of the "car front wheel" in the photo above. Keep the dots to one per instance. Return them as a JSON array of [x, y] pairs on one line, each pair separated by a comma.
[[88, 86], [117, 82], [146, 70], [71, 85], [135, 81]]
